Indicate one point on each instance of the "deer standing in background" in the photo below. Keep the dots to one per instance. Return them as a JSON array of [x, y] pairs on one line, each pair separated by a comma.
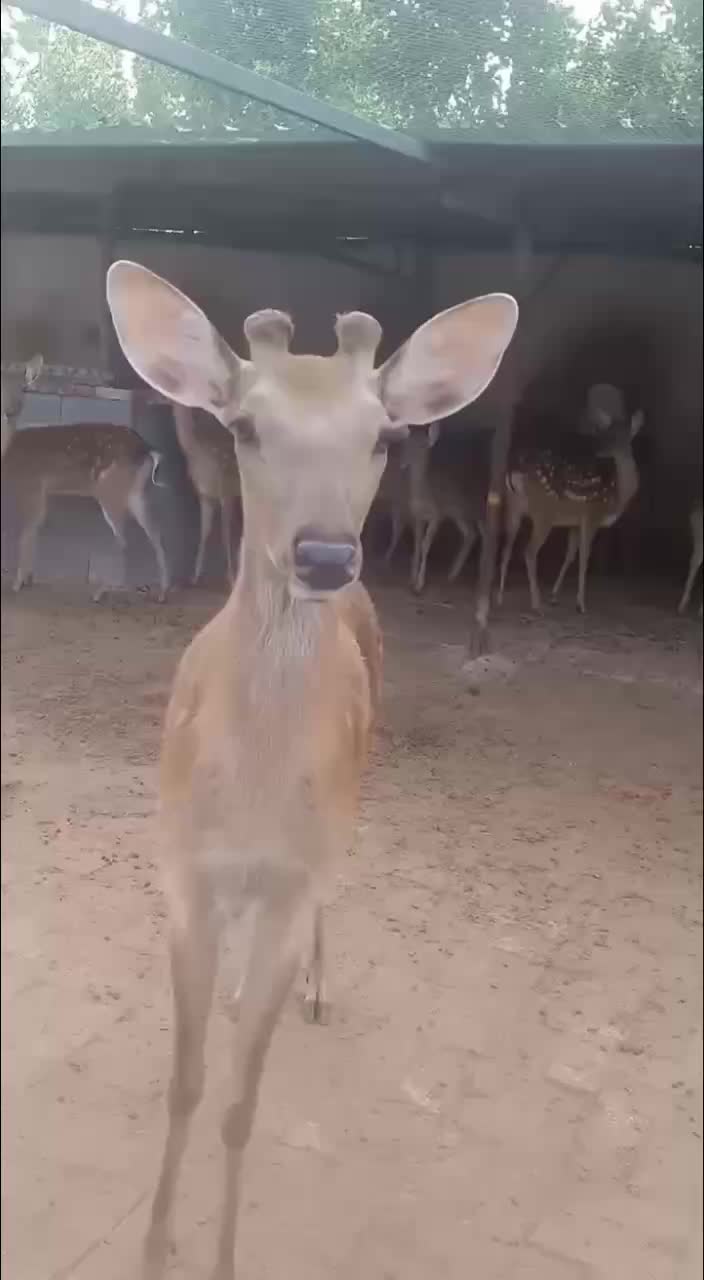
[[393, 496], [437, 494], [696, 524], [212, 466], [109, 463], [269, 719], [579, 496], [14, 386]]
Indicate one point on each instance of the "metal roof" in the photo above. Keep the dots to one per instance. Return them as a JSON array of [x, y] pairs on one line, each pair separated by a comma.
[[642, 197]]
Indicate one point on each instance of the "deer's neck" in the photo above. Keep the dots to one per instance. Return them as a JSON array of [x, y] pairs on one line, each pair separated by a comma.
[[277, 635], [185, 426], [626, 477]]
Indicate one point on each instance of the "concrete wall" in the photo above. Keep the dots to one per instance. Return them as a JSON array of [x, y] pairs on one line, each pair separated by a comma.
[[636, 322]]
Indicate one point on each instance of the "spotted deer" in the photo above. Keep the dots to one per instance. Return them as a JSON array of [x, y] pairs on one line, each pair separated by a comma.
[[696, 524], [14, 386], [270, 714], [212, 466], [580, 496], [109, 463]]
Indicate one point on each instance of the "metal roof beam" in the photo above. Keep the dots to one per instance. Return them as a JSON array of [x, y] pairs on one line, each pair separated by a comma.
[[109, 27]]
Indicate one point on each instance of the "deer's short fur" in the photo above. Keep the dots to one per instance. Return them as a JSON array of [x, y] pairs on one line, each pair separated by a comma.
[[269, 718], [581, 497], [436, 494], [111, 464], [696, 524], [212, 466]]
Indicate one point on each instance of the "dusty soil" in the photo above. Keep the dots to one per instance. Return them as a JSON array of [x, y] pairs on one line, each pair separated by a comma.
[[510, 1085]]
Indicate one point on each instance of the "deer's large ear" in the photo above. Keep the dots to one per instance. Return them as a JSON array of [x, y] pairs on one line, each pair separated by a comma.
[[449, 361], [171, 343]]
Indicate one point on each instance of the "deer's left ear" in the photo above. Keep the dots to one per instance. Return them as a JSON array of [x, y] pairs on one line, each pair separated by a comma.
[[171, 343], [449, 361]]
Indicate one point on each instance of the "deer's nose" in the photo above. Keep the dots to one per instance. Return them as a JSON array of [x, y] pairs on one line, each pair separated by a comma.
[[324, 563]]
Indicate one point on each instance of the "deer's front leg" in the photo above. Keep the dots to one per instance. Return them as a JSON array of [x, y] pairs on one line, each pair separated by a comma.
[[538, 535], [427, 541], [274, 960], [194, 946]]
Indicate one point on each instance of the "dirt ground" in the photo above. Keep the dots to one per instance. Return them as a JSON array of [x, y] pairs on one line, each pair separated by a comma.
[[510, 1087]]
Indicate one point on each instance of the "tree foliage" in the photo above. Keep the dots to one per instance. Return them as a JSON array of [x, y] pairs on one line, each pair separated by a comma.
[[522, 69]]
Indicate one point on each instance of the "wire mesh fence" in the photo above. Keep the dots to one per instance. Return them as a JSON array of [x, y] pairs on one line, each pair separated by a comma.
[[512, 70]]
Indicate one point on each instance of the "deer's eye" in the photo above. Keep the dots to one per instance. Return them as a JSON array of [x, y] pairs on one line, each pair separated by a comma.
[[388, 436], [245, 430]]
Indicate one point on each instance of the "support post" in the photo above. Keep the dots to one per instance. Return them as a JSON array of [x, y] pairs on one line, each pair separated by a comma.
[[500, 445], [108, 341]]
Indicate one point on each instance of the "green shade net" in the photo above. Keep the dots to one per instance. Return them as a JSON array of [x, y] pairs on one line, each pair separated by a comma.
[[520, 71]]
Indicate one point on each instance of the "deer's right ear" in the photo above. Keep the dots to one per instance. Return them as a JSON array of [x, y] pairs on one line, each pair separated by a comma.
[[170, 342]]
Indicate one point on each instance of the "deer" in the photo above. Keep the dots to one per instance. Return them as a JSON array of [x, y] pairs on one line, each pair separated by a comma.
[[269, 720], [107, 462], [579, 496], [14, 386], [212, 466], [435, 495], [393, 495], [696, 524]]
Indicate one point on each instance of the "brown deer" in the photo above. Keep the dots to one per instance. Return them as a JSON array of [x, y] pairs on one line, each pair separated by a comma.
[[696, 524], [579, 496], [14, 386], [212, 466], [109, 463], [269, 719], [393, 498], [437, 494]]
